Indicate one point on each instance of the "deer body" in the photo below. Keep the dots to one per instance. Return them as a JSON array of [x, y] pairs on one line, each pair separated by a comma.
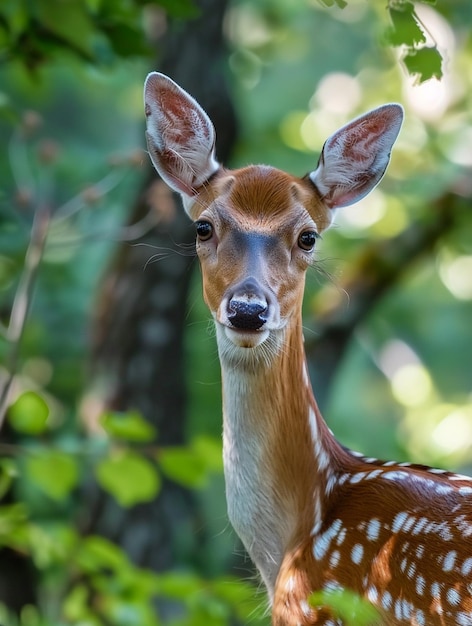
[[312, 515]]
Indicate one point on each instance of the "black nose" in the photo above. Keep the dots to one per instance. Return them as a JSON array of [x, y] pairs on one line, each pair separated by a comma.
[[246, 315], [247, 307]]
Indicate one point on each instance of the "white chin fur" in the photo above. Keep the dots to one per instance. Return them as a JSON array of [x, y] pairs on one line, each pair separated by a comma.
[[243, 339]]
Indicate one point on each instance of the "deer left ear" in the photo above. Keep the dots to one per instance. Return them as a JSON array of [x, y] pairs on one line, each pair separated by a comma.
[[180, 135], [355, 157]]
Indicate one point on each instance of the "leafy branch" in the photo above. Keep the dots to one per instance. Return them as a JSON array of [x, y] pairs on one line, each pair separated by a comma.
[[93, 32], [408, 32]]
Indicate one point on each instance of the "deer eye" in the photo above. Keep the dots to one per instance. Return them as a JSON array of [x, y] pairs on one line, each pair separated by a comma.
[[307, 240], [204, 230]]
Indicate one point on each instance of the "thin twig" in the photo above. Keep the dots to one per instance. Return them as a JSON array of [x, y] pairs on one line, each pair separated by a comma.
[[22, 300], [100, 189], [123, 234]]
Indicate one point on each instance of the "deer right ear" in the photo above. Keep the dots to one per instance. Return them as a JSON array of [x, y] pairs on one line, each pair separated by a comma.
[[355, 157], [180, 136]]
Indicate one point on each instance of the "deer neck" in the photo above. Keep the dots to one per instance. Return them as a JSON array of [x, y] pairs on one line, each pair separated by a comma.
[[279, 455]]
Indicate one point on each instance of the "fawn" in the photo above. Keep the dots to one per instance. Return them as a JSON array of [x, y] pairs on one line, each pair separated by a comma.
[[311, 514]]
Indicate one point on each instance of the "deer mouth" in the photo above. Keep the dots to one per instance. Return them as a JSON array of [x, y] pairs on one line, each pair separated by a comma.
[[246, 337]]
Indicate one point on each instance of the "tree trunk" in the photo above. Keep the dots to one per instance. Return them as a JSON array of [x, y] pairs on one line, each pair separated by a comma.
[[142, 308]]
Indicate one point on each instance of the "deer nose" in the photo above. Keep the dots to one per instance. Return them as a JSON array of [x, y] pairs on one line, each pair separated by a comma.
[[248, 306]]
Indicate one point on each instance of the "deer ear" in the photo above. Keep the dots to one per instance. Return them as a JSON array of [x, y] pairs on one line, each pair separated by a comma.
[[355, 157], [180, 135]]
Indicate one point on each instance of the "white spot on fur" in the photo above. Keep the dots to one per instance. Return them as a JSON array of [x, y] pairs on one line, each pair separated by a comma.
[[341, 536], [464, 618], [372, 594], [356, 478], [373, 529], [411, 570], [419, 551], [398, 521], [398, 607], [435, 590], [322, 543], [334, 559], [313, 425], [453, 597], [420, 524], [420, 585], [466, 566], [305, 607], [449, 561], [357, 553], [395, 475], [386, 600], [331, 484], [374, 474], [410, 522]]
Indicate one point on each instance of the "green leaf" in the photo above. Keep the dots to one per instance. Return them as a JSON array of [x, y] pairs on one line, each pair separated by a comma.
[[405, 28], [97, 553], [79, 607], [68, 22], [183, 465], [183, 9], [76, 604], [29, 414], [128, 477], [347, 606], [126, 40], [425, 63], [11, 517], [128, 426], [15, 16], [209, 449], [93, 6], [191, 465], [54, 472], [51, 544], [8, 472], [207, 609], [179, 586], [129, 611]]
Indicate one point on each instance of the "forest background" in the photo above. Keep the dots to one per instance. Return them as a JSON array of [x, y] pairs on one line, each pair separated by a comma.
[[112, 497]]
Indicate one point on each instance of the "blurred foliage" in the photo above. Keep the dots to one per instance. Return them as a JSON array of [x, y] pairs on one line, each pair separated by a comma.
[[94, 31], [299, 71], [91, 577], [407, 31], [346, 606]]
